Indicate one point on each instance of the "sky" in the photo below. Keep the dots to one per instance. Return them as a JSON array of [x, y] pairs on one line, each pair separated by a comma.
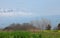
[[20, 11]]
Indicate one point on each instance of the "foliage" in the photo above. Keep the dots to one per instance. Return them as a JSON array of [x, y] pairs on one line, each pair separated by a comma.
[[59, 26]]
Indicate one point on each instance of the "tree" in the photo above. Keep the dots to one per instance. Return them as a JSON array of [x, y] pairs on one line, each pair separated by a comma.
[[36, 23], [42, 24], [24, 26], [48, 27], [58, 26], [55, 28], [13, 26]]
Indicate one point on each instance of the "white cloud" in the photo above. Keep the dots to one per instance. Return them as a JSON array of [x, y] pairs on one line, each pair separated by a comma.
[[14, 14], [26, 14]]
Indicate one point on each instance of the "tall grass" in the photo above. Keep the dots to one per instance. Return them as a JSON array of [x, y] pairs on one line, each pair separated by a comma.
[[23, 34]]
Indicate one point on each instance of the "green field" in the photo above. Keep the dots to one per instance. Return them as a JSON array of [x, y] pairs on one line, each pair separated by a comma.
[[23, 34]]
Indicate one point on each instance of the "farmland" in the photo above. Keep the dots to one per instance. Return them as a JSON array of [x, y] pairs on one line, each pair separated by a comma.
[[24, 34]]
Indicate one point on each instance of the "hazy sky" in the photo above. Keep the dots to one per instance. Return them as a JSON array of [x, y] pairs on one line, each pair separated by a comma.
[[20, 11]]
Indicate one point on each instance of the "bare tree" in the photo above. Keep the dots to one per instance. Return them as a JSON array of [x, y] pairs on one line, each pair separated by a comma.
[[36, 23], [42, 24], [55, 28]]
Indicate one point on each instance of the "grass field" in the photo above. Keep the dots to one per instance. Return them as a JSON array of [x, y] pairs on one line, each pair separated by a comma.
[[23, 34]]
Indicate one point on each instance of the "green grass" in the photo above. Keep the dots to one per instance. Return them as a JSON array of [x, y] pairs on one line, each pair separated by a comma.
[[23, 34]]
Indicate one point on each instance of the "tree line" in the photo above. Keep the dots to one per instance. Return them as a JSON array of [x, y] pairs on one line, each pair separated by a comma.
[[36, 24]]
